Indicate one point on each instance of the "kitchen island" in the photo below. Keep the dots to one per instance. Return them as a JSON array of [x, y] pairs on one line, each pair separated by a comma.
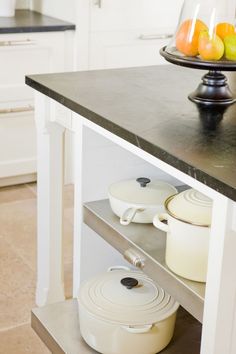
[[126, 123]]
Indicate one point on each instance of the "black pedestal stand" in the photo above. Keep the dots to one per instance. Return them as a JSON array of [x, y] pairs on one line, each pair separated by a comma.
[[214, 90]]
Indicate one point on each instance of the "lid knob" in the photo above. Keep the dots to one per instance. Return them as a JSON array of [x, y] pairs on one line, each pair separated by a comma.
[[143, 181], [129, 283]]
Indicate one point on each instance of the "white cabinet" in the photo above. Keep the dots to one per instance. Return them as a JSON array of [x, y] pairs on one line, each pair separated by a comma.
[[116, 15], [126, 49], [21, 54], [125, 33]]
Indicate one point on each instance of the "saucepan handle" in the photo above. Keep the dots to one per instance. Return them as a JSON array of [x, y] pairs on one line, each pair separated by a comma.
[[128, 215], [158, 222]]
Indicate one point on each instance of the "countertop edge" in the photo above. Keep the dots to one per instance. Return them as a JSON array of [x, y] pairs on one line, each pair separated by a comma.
[[37, 29], [59, 26]]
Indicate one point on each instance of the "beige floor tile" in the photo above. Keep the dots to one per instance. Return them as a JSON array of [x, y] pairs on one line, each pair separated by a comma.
[[15, 194], [17, 290], [33, 187], [18, 264], [68, 280], [21, 340], [68, 235], [18, 228], [69, 195]]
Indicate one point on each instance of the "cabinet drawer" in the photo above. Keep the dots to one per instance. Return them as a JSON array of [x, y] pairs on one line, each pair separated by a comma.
[[17, 143], [22, 54], [127, 49], [113, 15], [21, 59]]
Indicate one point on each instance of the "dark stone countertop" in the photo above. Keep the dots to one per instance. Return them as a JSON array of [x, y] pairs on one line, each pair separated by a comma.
[[148, 107], [31, 21]]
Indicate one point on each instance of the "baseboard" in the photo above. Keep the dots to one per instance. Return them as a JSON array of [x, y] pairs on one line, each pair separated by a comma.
[[9, 181]]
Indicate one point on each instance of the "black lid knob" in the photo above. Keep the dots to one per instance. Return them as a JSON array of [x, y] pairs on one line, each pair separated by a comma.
[[143, 181], [129, 283]]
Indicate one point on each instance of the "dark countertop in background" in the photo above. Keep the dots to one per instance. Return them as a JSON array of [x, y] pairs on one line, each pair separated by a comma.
[[30, 21], [149, 108]]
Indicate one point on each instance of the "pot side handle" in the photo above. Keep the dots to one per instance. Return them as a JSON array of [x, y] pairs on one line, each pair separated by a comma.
[[128, 216], [143, 329], [157, 222]]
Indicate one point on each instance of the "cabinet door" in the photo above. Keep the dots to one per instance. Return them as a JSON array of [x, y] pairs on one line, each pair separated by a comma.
[[22, 54], [115, 15], [18, 148], [127, 33], [28, 53], [126, 49]]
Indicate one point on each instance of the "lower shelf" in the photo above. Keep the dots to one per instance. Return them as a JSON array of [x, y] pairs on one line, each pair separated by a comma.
[[58, 327], [149, 244]]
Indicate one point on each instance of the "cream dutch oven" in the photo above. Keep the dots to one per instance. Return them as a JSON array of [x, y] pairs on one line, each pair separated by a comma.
[[125, 312], [138, 200], [188, 219]]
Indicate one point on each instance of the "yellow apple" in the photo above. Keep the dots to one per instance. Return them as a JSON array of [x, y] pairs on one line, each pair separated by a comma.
[[210, 47]]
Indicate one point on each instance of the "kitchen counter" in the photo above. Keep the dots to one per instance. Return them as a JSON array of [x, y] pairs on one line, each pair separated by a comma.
[[31, 21], [148, 107]]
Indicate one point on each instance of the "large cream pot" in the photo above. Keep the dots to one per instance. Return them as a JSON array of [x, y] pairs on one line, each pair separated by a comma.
[[188, 219], [125, 312]]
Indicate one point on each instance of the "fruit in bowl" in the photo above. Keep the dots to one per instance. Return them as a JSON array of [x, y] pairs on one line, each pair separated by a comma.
[[230, 47], [224, 29], [210, 47], [187, 36], [194, 39]]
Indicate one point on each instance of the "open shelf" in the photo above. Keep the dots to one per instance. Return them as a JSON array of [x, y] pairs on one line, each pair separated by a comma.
[[58, 327], [149, 243]]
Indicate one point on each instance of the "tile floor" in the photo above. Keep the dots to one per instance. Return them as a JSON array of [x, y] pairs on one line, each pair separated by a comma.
[[18, 266]]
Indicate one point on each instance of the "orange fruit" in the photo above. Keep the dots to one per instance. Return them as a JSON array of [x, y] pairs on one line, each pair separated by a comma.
[[224, 29], [187, 37], [210, 47]]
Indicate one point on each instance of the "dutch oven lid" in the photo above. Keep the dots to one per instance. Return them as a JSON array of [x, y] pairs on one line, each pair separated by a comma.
[[126, 298], [142, 191], [190, 206]]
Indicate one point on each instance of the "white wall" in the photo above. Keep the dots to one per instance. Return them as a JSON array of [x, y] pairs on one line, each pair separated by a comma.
[[63, 9]]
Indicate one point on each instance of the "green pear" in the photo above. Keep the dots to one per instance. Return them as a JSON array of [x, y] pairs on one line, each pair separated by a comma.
[[230, 47]]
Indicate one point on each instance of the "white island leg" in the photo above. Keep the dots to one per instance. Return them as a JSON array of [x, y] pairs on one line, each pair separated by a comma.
[[50, 155], [220, 301]]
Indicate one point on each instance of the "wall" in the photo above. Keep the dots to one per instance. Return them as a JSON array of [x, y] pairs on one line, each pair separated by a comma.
[[63, 9]]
